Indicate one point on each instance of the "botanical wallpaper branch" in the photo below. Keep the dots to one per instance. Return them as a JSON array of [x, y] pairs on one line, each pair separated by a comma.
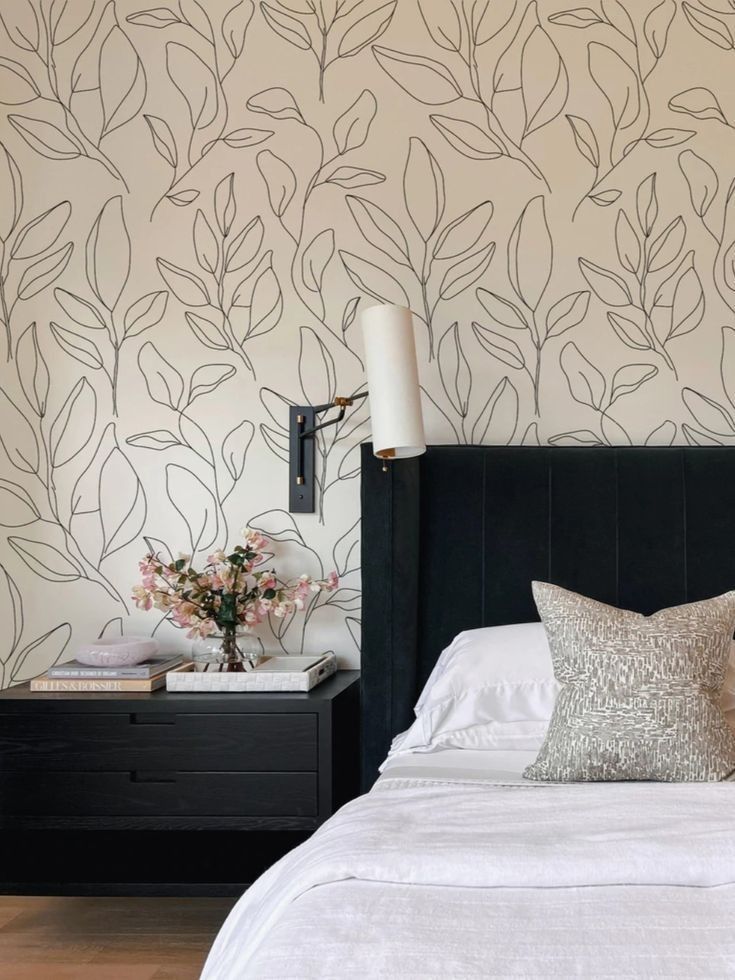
[[197, 199]]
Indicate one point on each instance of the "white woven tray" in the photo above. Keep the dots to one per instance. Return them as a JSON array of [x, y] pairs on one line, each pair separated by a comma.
[[255, 680]]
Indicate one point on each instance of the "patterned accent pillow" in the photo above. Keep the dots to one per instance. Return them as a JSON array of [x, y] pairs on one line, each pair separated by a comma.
[[639, 697]]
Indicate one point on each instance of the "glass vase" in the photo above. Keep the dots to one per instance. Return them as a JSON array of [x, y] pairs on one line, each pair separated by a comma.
[[229, 650]]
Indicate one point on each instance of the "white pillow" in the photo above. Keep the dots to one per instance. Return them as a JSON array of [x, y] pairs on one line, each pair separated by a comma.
[[494, 688]]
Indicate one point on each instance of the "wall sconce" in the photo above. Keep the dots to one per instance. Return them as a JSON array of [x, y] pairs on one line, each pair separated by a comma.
[[395, 403]]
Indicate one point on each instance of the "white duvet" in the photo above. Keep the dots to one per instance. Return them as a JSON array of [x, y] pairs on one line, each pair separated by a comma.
[[423, 878]]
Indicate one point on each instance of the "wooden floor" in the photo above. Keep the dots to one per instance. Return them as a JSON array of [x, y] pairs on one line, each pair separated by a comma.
[[107, 938]]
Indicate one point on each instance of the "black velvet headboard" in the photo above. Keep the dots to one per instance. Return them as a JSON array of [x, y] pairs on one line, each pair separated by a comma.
[[452, 540]]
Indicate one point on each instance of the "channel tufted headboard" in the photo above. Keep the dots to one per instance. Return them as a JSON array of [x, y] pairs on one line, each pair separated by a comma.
[[452, 540]]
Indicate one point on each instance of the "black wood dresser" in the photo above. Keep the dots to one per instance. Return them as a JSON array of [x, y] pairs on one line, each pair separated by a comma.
[[168, 793]]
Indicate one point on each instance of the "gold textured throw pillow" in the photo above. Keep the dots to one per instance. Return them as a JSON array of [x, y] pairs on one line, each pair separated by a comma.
[[639, 697]]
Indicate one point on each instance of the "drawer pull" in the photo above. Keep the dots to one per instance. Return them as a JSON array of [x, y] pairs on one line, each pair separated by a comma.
[[150, 718], [148, 776]]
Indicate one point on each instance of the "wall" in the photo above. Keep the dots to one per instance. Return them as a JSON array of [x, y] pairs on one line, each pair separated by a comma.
[[196, 203]]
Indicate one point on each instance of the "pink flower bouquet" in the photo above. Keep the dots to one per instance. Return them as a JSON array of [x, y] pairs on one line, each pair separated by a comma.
[[232, 592]]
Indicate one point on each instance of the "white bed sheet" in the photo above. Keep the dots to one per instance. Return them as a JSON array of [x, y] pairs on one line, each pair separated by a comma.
[[459, 765], [452, 866]]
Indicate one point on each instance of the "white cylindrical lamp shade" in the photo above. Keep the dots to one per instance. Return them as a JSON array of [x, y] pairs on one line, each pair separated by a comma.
[[393, 382]]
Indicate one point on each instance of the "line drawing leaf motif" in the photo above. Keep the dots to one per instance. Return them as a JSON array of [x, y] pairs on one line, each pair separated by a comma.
[[123, 506], [196, 83], [585, 139], [163, 139], [700, 103], [544, 81], [32, 369], [424, 79], [207, 378], [41, 232], [74, 424], [467, 138], [503, 348], [280, 180], [586, 383], [464, 232], [41, 653], [187, 287], [45, 138], [122, 81], [466, 272], [618, 83], [108, 253], [701, 180], [79, 310], [709, 27], [44, 272], [45, 560], [195, 504], [352, 127], [381, 285], [164, 383], [17, 509], [316, 258], [423, 188], [379, 229], [605, 284], [18, 437], [530, 253], [235, 448], [78, 346]]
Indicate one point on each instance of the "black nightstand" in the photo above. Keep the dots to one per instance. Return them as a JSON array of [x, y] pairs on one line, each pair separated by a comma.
[[168, 793]]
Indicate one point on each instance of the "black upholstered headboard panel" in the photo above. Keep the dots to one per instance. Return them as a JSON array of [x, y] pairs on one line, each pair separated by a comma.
[[453, 539]]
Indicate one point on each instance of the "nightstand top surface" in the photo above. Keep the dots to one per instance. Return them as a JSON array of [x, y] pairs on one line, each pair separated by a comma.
[[172, 700]]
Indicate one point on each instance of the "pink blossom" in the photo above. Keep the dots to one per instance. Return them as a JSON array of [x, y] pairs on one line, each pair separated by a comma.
[[141, 598], [254, 539], [202, 628], [229, 577]]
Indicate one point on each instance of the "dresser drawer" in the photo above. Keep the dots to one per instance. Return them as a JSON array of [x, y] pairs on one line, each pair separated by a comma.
[[169, 740], [159, 794]]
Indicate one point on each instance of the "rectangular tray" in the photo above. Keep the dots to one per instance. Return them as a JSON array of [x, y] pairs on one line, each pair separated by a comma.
[[258, 680]]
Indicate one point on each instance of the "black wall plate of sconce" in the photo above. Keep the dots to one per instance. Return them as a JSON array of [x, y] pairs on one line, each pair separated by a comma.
[[301, 460]]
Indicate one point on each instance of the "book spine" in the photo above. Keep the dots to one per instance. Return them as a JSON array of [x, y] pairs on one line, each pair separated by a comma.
[[109, 673], [61, 685], [96, 675]]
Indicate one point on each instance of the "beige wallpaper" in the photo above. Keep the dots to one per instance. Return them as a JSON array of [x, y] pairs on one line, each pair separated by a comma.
[[197, 200]]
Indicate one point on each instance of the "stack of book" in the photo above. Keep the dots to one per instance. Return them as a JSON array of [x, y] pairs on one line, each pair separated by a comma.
[[73, 676]]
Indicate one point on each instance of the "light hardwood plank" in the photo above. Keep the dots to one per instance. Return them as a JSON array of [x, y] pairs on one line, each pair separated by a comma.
[[29, 971], [107, 938]]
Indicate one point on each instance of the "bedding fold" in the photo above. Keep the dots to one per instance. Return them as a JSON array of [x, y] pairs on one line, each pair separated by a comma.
[[411, 832]]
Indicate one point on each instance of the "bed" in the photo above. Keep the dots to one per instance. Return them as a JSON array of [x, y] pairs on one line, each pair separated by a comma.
[[452, 864]]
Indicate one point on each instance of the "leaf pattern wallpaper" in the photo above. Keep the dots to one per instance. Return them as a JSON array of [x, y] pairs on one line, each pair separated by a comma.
[[197, 199]]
